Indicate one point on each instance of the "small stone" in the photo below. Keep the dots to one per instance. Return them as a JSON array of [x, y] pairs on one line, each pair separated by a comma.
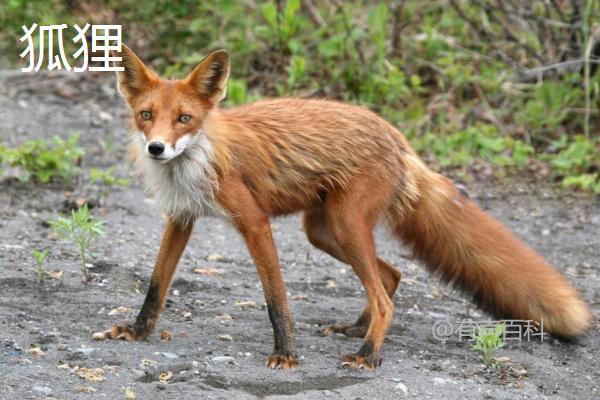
[[139, 374], [41, 391], [223, 359], [85, 351], [402, 387], [99, 336], [439, 381], [226, 338], [176, 292], [169, 355]]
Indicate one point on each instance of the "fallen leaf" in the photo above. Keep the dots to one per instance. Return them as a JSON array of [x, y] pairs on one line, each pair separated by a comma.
[[118, 311], [165, 336], [224, 317], [129, 394], [165, 376], [58, 274], [148, 363], [8, 246], [35, 352], [215, 257], [299, 297], [85, 389], [226, 338], [91, 374], [245, 305], [208, 271], [113, 369]]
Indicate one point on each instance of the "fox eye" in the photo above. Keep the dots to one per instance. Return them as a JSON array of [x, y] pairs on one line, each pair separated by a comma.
[[146, 115], [184, 118]]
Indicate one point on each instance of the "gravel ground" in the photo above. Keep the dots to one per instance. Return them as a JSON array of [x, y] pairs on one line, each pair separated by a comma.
[[216, 319]]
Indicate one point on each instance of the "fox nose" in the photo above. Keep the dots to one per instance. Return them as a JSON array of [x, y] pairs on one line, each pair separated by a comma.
[[156, 148]]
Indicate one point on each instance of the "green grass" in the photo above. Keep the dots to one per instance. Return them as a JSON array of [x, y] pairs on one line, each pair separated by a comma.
[[449, 79]]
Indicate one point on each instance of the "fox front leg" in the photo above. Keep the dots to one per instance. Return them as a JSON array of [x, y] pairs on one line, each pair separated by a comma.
[[253, 223], [174, 240]]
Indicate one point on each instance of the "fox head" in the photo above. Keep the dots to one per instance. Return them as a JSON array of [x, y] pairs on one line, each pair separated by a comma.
[[170, 113]]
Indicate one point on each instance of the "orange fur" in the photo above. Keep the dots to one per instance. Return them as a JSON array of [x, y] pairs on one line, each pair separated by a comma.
[[347, 168]]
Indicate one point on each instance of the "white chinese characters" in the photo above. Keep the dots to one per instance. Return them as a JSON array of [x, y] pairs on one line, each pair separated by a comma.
[[105, 44]]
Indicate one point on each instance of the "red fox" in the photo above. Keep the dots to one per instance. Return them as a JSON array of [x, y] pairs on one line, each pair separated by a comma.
[[346, 169]]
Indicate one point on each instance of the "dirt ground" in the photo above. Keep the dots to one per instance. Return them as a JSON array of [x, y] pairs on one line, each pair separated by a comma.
[[217, 320]]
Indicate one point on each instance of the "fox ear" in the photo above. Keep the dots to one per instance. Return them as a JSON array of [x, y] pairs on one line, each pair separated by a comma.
[[209, 78], [135, 76]]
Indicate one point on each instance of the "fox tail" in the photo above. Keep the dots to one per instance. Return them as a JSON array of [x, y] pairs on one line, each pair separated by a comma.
[[477, 254]]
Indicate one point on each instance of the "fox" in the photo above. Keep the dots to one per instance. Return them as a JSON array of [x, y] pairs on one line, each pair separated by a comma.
[[346, 169]]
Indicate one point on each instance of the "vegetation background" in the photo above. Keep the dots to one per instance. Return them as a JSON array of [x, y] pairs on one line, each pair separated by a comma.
[[481, 88]]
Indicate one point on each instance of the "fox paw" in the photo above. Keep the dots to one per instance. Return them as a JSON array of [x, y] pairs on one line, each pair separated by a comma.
[[121, 332], [358, 331], [371, 361], [282, 361]]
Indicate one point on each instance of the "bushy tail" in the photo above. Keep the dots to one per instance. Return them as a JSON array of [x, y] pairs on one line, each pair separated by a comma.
[[473, 251]]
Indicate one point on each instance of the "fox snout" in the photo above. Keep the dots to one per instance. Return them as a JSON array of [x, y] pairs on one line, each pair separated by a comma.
[[156, 148], [162, 151]]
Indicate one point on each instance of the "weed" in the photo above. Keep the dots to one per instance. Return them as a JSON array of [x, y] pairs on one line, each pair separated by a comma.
[[81, 229], [107, 179], [46, 161], [487, 341], [40, 261]]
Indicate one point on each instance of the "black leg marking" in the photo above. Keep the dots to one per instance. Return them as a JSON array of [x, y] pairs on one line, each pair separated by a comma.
[[282, 331], [150, 310]]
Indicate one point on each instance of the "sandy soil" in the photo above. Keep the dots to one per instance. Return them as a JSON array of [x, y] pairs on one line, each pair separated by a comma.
[[220, 334]]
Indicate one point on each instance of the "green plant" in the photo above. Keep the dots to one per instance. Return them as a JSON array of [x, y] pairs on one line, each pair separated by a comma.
[[487, 341], [46, 161], [81, 229], [576, 162], [40, 259], [107, 179], [482, 141]]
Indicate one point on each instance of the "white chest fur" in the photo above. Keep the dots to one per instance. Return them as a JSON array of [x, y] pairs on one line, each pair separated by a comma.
[[183, 187]]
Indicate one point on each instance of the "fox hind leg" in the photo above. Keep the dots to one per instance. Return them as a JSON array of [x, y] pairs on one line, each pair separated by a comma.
[[319, 235]]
